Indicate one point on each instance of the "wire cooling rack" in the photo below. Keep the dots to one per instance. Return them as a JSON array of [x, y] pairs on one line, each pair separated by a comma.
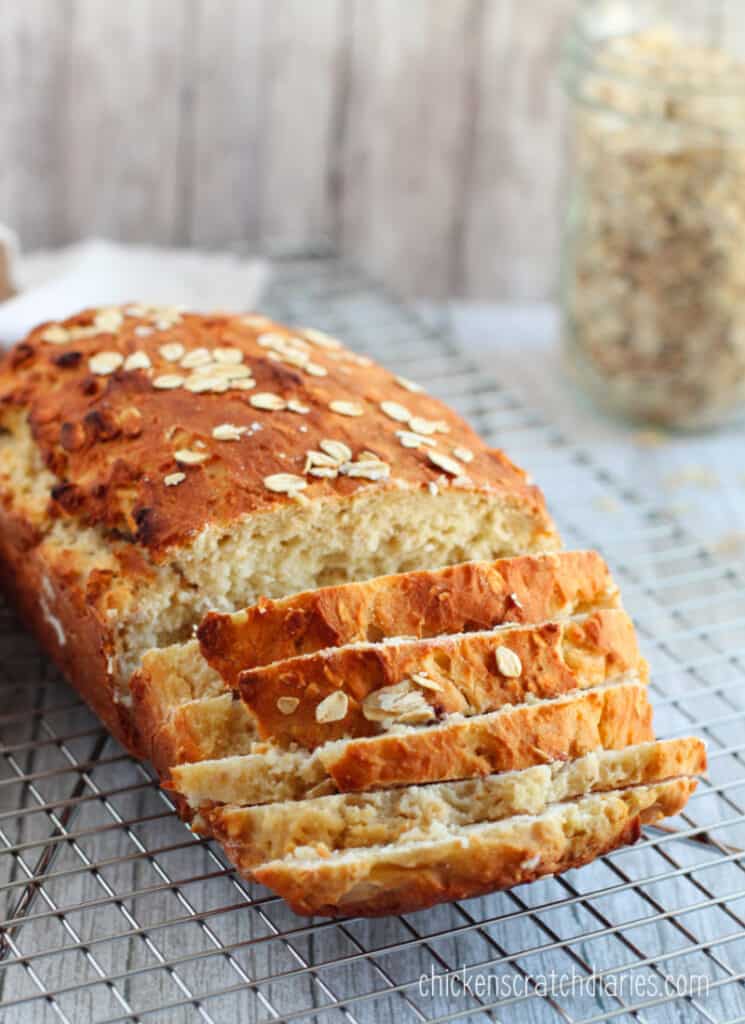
[[113, 911]]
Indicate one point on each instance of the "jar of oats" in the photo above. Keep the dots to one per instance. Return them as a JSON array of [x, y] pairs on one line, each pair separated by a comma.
[[653, 268]]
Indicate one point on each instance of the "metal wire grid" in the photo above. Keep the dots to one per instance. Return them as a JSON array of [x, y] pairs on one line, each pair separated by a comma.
[[113, 911]]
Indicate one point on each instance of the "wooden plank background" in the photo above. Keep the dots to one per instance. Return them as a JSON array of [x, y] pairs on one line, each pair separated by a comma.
[[422, 139]]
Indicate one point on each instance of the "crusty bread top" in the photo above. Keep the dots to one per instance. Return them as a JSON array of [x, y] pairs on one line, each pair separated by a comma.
[[156, 450], [365, 689], [455, 599]]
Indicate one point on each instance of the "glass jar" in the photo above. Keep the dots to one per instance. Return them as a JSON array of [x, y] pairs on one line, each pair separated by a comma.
[[653, 265]]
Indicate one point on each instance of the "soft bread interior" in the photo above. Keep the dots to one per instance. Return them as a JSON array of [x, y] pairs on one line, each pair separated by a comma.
[[468, 859], [611, 716], [580, 814], [251, 835], [211, 728]]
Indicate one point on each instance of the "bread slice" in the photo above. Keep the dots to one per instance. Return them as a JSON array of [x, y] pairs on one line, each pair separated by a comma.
[[456, 599], [366, 689], [611, 716], [171, 691], [156, 464], [266, 832], [470, 860]]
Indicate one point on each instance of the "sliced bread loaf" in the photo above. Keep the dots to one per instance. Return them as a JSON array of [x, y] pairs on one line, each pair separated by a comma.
[[525, 589], [293, 701], [157, 465]]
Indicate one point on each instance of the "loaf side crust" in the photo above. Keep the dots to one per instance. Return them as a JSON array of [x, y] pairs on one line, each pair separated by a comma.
[[59, 601]]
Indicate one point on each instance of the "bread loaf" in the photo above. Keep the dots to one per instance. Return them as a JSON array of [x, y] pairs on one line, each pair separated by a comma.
[[421, 698], [155, 465]]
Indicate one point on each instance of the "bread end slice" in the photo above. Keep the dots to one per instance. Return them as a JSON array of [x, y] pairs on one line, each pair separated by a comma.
[[402, 878], [266, 832]]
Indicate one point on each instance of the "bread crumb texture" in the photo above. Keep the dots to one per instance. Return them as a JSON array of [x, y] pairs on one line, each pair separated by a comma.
[[265, 832]]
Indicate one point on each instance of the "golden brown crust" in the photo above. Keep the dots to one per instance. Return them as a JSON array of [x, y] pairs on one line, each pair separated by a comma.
[[457, 599], [463, 674], [477, 861], [110, 434], [252, 835], [610, 717], [62, 607]]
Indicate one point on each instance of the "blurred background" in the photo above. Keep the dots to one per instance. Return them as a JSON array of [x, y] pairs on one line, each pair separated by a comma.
[[556, 189], [422, 139]]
